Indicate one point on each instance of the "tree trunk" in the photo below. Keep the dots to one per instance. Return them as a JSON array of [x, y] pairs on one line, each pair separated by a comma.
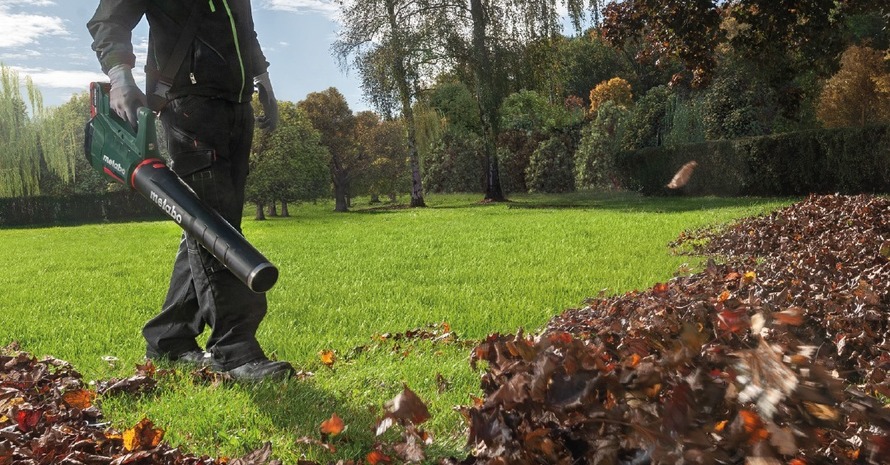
[[487, 100], [400, 75], [341, 203], [273, 212], [392, 198], [260, 216], [284, 211], [375, 198]]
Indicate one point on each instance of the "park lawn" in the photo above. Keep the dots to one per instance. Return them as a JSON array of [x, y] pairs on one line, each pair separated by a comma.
[[352, 284]]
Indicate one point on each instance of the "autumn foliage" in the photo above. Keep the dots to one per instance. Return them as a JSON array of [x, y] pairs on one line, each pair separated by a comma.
[[859, 94]]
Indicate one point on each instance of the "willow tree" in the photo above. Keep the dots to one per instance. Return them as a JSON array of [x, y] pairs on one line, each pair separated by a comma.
[[19, 143], [61, 137], [394, 44]]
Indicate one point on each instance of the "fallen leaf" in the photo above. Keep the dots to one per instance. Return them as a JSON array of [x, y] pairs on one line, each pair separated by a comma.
[[332, 426], [375, 456], [327, 357], [81, 398], [142, 436]]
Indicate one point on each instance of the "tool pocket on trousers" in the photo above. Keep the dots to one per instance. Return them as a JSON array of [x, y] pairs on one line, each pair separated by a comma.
[[186, 164]]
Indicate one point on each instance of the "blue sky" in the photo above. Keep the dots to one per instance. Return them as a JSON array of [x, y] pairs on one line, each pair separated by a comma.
[[48, 41]]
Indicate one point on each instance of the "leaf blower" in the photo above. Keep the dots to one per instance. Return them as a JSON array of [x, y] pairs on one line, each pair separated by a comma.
[[132, 158]]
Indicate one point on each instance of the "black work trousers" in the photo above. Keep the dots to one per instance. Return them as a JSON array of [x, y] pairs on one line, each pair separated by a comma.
[[209, 141]]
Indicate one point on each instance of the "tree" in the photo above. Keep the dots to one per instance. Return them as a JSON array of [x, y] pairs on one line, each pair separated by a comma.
[[394, 42], [384, 143], [859, 93], [62, 145], [288, 164], [663, 29], [615, 90], [20, 157], [331, 116], [493, 26]]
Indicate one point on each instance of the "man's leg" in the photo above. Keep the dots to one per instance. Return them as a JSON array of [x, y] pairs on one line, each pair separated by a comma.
[[213, 139], [173, 331]]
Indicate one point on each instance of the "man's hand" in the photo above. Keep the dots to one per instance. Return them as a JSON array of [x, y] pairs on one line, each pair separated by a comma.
[[269, 121], [125, 96]]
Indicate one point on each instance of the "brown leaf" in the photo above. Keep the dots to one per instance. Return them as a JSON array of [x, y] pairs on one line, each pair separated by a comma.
[[682, 177], [407, 407]]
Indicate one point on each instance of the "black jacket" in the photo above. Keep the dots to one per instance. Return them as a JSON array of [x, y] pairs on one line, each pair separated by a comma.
[[221, 62]]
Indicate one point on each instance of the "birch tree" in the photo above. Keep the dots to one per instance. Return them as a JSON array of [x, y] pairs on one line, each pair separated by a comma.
[[394, 45]]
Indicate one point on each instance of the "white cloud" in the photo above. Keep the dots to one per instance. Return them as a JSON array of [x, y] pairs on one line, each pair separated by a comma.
[[60, 79], [328, 8], [21, 29], [27, 2]]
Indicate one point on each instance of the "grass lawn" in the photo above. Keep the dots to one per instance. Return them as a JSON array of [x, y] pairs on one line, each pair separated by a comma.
[[83, 292]]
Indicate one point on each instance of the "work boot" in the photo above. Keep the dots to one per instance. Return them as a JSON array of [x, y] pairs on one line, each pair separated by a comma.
[[195, 358], [261, 369]]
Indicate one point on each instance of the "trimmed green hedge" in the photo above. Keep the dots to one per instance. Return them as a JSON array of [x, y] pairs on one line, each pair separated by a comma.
[[846, 161], [113, 206]]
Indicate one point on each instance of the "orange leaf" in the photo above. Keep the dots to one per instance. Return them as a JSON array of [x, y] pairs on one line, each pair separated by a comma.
[[332, 426], [791, 316], [327, 357], [375, 456], [79, 399], [797, 462], [724, 296], [753, 426], [720, 426], [142, 436]]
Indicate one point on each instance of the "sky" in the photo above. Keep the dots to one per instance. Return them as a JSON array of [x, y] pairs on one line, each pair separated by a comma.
[[48, 41]]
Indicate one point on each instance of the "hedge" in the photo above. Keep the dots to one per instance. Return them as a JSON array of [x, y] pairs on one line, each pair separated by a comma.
[[113, 206], [825, 161]]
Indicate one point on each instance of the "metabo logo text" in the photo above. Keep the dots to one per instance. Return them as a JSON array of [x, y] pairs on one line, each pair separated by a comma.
[[168, 208], [117, 167]]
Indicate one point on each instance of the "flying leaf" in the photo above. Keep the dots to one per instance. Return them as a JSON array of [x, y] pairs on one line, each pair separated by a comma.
[[682, 177], [407, 407], [792, 316]]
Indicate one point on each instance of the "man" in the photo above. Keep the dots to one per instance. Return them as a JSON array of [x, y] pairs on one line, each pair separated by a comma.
[[203, 63]]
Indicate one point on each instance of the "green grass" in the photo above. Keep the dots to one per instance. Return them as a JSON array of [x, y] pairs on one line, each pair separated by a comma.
[[83, 292]]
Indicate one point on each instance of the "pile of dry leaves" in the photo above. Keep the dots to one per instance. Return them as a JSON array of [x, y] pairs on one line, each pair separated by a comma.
[[779, 354]]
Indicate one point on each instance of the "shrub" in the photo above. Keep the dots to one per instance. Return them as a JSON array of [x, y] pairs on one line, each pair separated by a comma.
[[648, 122], [550, 168], [455, 164], [846, 161], [594, 163], [74, 209]]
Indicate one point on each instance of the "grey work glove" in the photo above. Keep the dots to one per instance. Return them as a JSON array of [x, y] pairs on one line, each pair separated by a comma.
[[269, 121], [125, 97]]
